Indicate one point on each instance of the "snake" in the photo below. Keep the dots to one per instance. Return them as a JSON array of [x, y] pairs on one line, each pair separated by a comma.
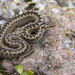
[[19, 46]]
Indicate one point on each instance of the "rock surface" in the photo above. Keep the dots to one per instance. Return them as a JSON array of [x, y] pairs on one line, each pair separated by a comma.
[[54, 52]]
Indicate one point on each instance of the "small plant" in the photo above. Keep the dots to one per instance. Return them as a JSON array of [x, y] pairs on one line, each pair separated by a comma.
[[19, 69]]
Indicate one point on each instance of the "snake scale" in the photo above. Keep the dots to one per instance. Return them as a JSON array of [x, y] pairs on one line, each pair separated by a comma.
[[15, 46]]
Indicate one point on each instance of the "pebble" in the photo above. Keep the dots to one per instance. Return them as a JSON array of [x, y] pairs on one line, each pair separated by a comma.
[[72, 49], [1, 22], [55, 10]]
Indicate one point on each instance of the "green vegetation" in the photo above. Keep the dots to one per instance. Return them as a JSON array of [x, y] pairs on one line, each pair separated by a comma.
[[19, 69]]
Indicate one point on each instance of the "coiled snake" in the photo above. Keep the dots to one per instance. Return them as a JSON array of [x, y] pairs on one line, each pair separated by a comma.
[[12, 45]]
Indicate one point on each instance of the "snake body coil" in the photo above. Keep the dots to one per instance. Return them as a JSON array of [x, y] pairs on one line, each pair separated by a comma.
[[12, 45]]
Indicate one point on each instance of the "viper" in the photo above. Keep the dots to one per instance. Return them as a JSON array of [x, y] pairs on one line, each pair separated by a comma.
[[19, 46]]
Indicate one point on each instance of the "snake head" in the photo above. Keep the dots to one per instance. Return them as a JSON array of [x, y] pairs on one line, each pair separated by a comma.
[[48, 24]]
